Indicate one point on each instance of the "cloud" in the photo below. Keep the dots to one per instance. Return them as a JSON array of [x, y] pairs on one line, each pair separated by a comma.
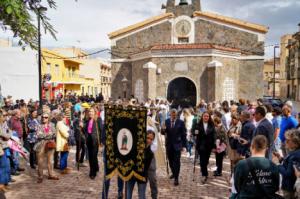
[[86, 23]]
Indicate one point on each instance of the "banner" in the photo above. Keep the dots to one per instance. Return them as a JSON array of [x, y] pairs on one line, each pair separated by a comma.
[[125, 142]]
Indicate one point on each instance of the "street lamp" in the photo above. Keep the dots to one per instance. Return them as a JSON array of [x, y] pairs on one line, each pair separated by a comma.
[[39, 10], [274, 70], [124, 82]]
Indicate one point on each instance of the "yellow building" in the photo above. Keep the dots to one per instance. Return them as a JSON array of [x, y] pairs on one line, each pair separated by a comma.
[[96, 73], [64, 74]]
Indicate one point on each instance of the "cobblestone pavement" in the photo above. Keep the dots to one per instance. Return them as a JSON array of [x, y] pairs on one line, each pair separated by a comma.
[[77, 184]]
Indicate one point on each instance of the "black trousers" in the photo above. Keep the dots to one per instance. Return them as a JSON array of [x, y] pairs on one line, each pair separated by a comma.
[[80, 150], [32, 153], [219, 161], [56, 157], [93, 156], [204, 160], [174, 162]]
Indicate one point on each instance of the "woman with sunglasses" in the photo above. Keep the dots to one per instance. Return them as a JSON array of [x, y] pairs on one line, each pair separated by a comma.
[[92, 129], [45, 147]]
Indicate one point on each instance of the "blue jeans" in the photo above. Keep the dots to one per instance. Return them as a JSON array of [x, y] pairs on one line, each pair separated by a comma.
[[107, 185], [64, 159], [4, 169], [141, 189]]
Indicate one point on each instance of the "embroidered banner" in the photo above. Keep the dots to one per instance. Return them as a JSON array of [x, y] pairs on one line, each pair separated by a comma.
[[125, 142]]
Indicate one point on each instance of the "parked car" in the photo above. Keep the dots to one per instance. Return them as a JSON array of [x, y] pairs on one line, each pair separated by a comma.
[[275, 102]]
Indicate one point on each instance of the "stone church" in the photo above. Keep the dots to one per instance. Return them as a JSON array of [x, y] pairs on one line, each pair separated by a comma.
[[187, 54]]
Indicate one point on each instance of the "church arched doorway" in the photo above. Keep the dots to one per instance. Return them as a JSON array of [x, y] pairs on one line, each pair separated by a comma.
[[182, 91]]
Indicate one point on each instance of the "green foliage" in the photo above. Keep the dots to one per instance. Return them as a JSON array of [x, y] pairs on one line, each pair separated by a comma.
[[18, 16]]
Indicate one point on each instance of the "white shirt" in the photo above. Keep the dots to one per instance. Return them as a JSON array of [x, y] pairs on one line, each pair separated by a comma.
[[205, 126], [154, 143]]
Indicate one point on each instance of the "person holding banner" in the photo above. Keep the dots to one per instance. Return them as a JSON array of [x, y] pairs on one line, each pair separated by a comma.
[[175, 143], [148, 159], [92, 129]]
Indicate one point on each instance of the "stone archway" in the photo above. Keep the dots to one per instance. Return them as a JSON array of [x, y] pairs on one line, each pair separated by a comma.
[[182, 91]]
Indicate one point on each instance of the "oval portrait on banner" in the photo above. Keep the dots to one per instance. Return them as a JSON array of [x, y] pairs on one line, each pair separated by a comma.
[[124, 141]]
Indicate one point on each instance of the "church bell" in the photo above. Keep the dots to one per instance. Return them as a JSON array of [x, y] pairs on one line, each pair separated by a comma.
[[183, 2]]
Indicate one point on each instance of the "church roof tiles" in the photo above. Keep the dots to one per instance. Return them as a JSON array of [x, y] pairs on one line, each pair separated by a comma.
[[193, 46], [206, 15]]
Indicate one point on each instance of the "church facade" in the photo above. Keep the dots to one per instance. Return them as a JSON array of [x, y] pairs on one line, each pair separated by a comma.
[[186, 55]]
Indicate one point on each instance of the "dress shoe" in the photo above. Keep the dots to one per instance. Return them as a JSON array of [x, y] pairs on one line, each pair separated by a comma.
[[20, 169], [53, 178], [120, 195], [176, 183], [204, 180], [33, 167], [172, 176], [217, 174], [40, 180], [93, 177], [15, 173]]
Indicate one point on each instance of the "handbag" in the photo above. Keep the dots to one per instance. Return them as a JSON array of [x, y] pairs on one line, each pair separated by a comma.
[[233, 142], [260, 188], [66, 147], [50, 145]]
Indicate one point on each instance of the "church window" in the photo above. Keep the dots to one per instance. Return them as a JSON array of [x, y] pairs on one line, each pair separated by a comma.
[[183, 40], [228, 89], [139, 90]]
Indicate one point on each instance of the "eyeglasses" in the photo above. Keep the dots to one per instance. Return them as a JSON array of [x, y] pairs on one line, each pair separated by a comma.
[[45, 117]]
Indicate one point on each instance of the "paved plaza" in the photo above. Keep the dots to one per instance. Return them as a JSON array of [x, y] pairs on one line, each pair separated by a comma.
[[77, 184]]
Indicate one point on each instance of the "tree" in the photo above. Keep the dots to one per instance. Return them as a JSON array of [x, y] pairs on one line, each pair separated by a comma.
[[17, 15]]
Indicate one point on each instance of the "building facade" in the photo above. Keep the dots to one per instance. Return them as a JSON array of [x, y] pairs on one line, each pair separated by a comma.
[[269, 77], [94, 72], [186, 54], [64, 74], [293, 66], [284, 53], [18, 72]]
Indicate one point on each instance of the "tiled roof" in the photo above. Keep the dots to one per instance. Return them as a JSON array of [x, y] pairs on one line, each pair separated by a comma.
[[193, 46], [232, 21], [140, 25]]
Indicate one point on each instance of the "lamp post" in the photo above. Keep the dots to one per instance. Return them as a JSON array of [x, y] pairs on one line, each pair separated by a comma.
[[274, 71], [39, 10]]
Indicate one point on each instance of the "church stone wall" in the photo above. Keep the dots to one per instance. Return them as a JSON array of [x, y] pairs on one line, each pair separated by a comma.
[[208, 32], [119, 71], [251, 84], [196, 73], [143, 40]]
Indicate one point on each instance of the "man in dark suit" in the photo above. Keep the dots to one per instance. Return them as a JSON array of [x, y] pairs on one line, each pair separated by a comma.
[[175, 133], [264, 127]]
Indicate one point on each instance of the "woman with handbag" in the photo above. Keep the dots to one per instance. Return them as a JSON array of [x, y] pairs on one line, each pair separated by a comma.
[[220, 150], [232, 135], [257, 177], [62, 135], [45, 146], [92, 130]]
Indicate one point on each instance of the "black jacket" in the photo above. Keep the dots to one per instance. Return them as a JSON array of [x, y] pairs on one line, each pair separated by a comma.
[[247, 131], [96, 135], [176, 136], [205, 141], [265, 128]]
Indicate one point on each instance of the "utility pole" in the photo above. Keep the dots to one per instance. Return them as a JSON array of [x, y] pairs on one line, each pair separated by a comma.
[[274, 71]]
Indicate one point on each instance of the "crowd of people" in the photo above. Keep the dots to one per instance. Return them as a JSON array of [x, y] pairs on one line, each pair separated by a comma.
[[262, 142]]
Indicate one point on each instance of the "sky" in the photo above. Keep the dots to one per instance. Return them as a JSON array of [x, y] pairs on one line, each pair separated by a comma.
[[86, 23]]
